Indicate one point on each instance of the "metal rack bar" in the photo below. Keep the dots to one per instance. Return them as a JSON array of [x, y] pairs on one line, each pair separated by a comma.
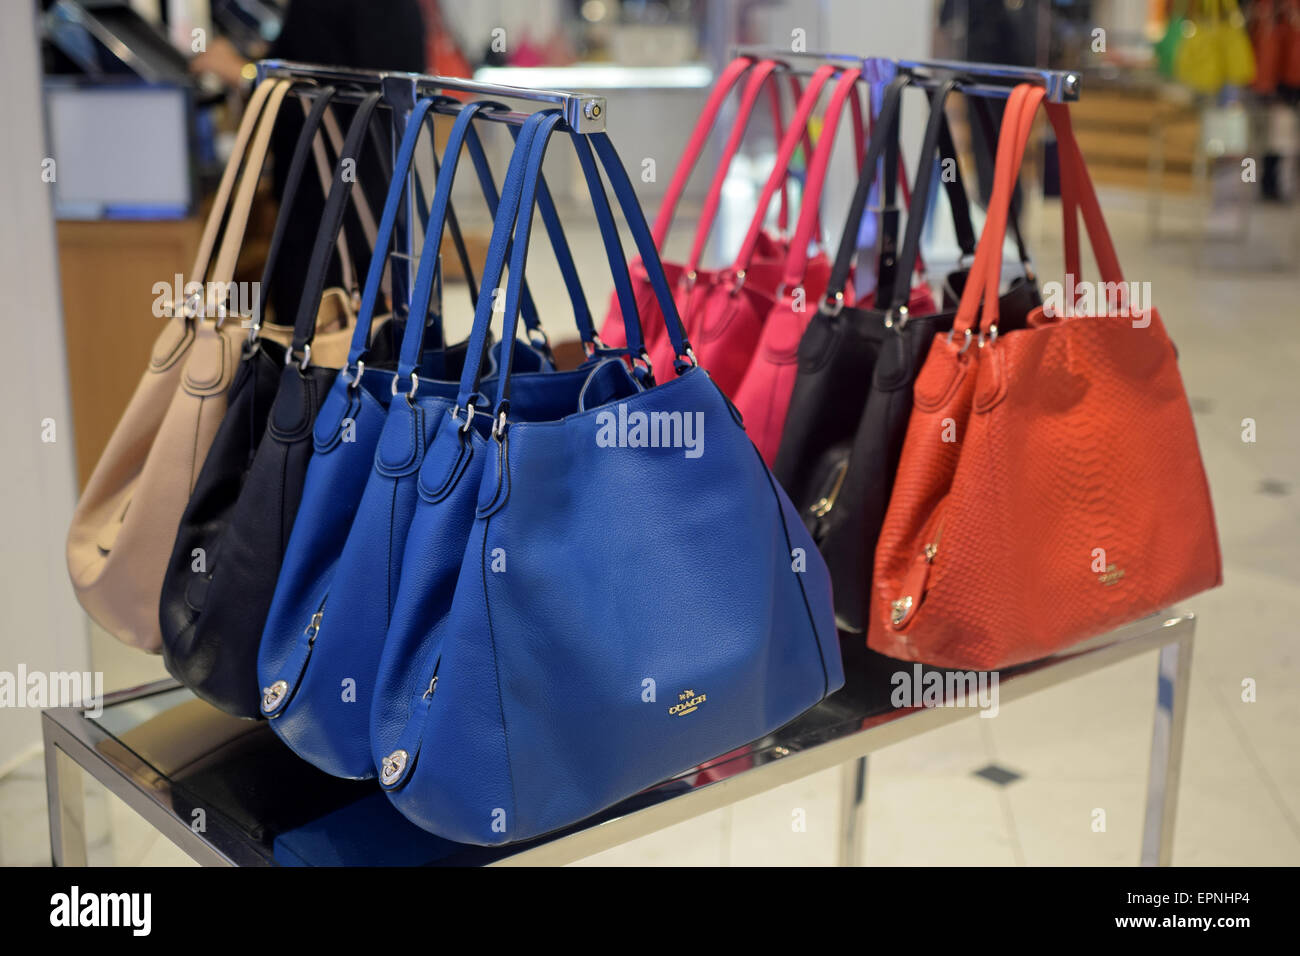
[[583, 112], [983, 79]]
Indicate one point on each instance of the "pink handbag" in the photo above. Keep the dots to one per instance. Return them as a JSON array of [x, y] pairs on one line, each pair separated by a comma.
[[687, 281], [725, 326]]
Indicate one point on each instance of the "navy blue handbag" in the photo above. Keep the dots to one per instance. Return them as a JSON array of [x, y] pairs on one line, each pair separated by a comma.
[[636, 594], [336, 612]]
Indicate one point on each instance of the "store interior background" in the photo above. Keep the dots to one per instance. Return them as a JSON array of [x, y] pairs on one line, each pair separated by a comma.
[[1223, 261]]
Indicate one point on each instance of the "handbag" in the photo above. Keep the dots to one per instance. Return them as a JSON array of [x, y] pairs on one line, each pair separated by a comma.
[[338, 593], [221, 577], [726, 323], [703, 293], [548, 672], [686, 277], [856, 366], [125, 522], [764, 393], [1073, 498]]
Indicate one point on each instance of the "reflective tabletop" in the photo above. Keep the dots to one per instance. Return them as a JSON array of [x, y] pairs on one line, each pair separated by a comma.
[[228, 791]]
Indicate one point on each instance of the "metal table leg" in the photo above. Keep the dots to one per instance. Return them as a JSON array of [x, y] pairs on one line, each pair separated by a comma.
[[853, 811], [1173, 684], [65, 794]]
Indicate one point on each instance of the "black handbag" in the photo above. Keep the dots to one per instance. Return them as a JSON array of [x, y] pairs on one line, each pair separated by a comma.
[[226, 557], [853, 392]]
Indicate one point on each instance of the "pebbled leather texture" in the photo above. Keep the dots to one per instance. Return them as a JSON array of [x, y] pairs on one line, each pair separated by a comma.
[[1073, 499], [240, 514], [574, 634], [125, 522], [329, 630], [542, 672]]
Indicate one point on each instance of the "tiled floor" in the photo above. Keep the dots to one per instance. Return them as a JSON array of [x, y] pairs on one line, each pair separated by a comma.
[[1076, 748]]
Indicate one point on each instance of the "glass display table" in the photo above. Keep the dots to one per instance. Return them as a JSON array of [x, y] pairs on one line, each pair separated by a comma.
[[228, 792]]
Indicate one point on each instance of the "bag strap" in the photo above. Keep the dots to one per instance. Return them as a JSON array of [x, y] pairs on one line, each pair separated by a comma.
[[754, 86], [308, 138], [781, 168], [796, 263], [323, 168], [726, 81], [397, 187], [1013, 143], [212, 227], [988, 258], [884, 128], [894, 297], [984, 115], [613, 247], [232, 237], [304, 327]]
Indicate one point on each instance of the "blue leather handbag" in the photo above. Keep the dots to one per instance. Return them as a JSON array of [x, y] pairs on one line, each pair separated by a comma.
[[444, 512], [345, 589], [636, 594]]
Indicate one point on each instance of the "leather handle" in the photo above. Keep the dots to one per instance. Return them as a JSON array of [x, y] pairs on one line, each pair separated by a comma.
[[895, 295], [308, 138], [846, 90], [247, 125], [884, 128], [1075, 181], [510, 238], [754, 86], [304, 327], [627, 200], [726, 81], [781, 168], [232, 238], [984, 115]]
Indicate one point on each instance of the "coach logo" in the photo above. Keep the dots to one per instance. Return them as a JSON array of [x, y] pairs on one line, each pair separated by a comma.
[[393, 766], [1113, 573], [271, 696], [687, 703]]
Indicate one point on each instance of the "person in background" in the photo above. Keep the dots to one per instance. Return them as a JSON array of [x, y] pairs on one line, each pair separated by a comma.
[[358, 34]]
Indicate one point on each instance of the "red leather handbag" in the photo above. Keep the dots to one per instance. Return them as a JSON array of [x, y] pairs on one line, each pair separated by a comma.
[[699, 286], [726, 325], [1050, 487], [682, 277]]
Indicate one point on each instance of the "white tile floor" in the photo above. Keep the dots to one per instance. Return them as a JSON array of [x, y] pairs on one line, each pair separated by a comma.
[[1078, 747]]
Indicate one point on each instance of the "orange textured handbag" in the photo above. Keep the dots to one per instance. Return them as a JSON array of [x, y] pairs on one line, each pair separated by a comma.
[[1050, 487]]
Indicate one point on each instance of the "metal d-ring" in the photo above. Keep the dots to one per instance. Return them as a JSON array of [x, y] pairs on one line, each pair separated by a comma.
[[469, 416], [690, 278], [304, 360], [740, 283], [901, 321], [965, 344], [357, 373], [834, 305], [499, 426], [410, 394]]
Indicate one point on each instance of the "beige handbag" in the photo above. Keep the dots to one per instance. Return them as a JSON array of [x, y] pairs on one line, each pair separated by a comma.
[[125, 523]]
